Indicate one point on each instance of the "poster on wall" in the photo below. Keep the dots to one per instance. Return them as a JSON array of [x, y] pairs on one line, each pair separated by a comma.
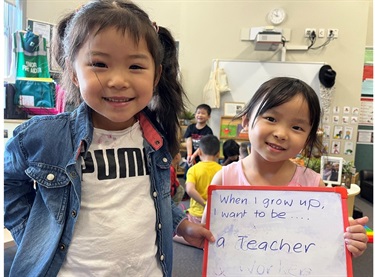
[[366, 112], [348, 149], [365, 136], [368, 70], [335, 147], [348, 133], [46, 30]]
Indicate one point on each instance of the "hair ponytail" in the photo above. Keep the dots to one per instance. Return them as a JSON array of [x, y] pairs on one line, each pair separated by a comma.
[[168, 101]]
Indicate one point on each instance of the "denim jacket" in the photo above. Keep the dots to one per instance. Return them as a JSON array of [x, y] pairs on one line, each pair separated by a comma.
[[42, 188]]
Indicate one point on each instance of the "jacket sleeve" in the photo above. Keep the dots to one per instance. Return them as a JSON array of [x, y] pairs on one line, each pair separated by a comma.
[[19, 192]]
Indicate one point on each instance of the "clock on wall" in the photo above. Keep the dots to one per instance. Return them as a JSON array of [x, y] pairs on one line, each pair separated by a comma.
[[277, 16]]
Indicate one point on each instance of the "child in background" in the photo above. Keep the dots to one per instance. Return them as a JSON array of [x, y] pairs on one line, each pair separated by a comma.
[[244, 149], [195, 132], [199, 177], [177, 191], [231, 151], [85, 192], [283, 117]]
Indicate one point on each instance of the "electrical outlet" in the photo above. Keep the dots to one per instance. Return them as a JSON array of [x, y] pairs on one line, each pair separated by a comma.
[[321, 33], [308, 32], [335, 33]]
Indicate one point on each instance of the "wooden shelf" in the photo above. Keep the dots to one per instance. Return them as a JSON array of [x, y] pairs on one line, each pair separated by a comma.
[[232, 129]]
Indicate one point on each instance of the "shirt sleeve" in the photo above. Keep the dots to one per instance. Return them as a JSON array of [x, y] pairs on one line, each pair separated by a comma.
[[188, 132]]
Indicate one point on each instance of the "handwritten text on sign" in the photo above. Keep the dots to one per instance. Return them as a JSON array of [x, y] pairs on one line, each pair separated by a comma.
[[276, 233]]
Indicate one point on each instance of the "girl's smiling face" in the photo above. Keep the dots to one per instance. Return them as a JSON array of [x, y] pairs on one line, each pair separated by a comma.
[[281, 132], [116, 77]]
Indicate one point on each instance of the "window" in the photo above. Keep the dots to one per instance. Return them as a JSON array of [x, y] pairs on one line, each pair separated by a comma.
[[12, 21]]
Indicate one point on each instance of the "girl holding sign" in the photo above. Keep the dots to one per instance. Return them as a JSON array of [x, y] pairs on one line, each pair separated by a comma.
[[282, 118]]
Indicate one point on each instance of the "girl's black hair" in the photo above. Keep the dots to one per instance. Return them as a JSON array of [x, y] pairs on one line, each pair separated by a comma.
[[230, 148], [73, 30], [280, 90]]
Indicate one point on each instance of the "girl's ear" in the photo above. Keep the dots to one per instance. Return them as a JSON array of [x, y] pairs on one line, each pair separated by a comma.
[[158, 72], [245, 123], [73, 75], [74, 79]]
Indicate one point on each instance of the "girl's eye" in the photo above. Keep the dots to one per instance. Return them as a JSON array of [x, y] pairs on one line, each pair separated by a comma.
[[98, 64], [134, 66], [297, 128], [270, 119]]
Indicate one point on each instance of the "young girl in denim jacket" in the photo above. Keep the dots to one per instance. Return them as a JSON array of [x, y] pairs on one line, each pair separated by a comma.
[[88, 192]]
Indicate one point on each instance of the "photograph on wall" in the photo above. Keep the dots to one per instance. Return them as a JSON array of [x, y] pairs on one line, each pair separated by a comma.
[[335, 147], [326, 119], [348, 148], [326, 131], [331, 170], [336, 119], [337, 132], [233, 108], [348, 132]]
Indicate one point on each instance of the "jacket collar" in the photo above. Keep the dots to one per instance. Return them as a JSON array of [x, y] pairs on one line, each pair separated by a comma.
[[150, 133], [82, 129]]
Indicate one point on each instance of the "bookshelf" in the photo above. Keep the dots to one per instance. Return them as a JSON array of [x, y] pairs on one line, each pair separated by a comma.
[[232, 129]]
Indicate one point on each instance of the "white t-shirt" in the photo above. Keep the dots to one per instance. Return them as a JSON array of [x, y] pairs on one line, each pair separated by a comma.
[[115, 231]]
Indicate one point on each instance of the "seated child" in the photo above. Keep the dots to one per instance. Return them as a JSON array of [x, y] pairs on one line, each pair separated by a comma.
[[244, 149], [231, 151], [199, 177]]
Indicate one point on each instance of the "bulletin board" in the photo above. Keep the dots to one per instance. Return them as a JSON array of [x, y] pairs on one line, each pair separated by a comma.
[[277, 231]]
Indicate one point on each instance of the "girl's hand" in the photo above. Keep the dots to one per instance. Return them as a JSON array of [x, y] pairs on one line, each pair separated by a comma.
[[194, 234], [355, 236]]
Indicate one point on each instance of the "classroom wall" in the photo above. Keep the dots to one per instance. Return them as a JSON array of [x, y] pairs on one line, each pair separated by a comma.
[[211, 29]]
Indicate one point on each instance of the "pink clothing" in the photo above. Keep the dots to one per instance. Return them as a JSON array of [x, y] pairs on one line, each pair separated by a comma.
[[233, 175]]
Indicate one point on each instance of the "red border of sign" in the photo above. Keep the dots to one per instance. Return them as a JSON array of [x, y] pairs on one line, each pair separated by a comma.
[[340, 190]]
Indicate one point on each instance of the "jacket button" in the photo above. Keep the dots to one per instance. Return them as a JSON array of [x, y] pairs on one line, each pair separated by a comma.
[[155, 194], [74, 213], [162, 258], [159, 226], [62, 247], [165, 160], [50, 177]]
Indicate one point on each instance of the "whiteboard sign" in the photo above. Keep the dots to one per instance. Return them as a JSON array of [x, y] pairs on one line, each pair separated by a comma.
[[274, 231]]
